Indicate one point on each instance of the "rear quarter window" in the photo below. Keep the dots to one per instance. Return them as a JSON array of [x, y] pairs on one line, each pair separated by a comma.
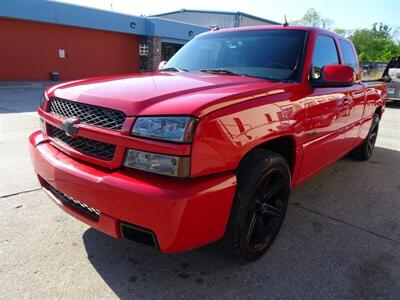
[[349, 56]]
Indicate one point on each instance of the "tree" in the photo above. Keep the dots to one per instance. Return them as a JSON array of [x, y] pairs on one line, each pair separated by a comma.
[[343, 32], [380, 43], [375, 44], [314, 19], [382, 31]]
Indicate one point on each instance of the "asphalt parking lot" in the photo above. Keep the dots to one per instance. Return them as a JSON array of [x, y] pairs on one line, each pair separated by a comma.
[[341, 237]]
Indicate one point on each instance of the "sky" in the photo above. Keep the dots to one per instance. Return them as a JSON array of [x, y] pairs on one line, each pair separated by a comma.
[[346, 14]]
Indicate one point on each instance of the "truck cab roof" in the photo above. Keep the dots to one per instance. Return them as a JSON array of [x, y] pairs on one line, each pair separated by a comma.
[[278, 27]]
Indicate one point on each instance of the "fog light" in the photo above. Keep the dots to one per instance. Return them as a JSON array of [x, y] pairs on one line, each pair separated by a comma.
[[178, 166]]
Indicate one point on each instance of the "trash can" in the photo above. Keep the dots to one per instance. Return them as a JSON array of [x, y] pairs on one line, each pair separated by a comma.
[[54, 76]]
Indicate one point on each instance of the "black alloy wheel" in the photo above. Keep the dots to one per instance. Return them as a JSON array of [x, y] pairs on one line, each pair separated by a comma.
[[365, 150], [371, 139], [267, 213], [259, 207]]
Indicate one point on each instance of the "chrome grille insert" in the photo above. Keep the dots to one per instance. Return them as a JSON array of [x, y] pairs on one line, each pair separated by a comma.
[[86, 146], [88, 114]]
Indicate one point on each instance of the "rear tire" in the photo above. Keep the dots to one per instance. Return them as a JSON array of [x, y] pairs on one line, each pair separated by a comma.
[[365, 150], [259, 207]]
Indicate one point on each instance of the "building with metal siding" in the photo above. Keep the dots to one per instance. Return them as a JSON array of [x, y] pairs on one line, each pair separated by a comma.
[[220, 19], [38, 37], [249, 21]]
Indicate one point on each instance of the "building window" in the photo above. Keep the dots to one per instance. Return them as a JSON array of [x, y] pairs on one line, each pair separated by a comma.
[[143, 49]]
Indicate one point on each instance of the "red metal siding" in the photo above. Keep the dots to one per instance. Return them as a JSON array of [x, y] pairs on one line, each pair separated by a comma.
[[29, 51]]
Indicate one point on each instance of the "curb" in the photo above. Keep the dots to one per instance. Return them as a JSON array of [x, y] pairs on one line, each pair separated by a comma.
[[8, 84]]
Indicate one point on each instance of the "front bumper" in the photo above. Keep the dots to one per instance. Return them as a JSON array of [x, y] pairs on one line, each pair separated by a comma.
[[182, 214]]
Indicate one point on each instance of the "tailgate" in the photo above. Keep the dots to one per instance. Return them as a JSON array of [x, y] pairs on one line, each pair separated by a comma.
[[393, 90]]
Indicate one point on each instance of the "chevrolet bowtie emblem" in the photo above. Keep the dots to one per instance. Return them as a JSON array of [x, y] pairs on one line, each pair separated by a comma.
[[70, 126]]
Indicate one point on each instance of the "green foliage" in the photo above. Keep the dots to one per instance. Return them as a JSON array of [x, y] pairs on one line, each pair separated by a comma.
[[342, 31], [383, 31], [375, 44], [380, 43], [314, 19]]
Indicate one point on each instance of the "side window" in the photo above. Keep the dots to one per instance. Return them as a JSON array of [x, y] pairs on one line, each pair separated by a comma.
[[325, 53], [348, 55]]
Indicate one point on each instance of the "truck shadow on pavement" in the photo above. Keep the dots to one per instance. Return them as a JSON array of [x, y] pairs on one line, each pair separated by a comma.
[[394, 104], [341, 238]]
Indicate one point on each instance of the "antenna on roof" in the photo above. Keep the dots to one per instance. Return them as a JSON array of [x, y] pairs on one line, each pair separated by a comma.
[[286, 24]]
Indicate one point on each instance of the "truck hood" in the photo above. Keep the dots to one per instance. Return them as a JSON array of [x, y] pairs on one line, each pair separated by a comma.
[[166, 93]]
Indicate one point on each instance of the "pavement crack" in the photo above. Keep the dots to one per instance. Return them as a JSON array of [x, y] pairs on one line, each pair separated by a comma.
[[346, 223], [23, 192]]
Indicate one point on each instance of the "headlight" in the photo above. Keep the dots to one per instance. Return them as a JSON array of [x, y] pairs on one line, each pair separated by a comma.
[[158, 163], [175, 129]]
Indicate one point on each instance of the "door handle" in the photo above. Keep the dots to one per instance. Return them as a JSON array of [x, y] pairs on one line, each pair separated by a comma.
[[346, 101], [312, 133]]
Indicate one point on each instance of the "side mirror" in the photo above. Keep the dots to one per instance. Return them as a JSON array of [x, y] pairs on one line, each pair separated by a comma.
[[335, 76], [398, 75], [161, 65]]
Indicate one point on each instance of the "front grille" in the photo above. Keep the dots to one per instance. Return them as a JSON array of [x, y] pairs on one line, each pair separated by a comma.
[[89, 114], [90, 211], [86, 146]]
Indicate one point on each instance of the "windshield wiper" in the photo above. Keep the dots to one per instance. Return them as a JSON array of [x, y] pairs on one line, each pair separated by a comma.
[[228, 72], [220, 71], [173, 69]]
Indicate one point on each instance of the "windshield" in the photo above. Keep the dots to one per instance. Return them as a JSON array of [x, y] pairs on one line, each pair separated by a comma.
[[269, 54]]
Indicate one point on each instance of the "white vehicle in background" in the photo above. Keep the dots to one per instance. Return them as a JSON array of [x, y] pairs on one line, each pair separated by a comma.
[[391, 75]]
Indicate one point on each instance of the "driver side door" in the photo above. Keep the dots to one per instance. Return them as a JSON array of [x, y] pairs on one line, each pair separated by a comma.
[[326, 113]]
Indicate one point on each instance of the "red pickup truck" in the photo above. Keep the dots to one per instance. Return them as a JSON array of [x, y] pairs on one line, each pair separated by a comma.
[[209, 147]]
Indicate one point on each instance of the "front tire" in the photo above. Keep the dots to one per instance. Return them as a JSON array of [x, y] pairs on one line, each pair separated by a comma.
[[365, 150], [259, 207]]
